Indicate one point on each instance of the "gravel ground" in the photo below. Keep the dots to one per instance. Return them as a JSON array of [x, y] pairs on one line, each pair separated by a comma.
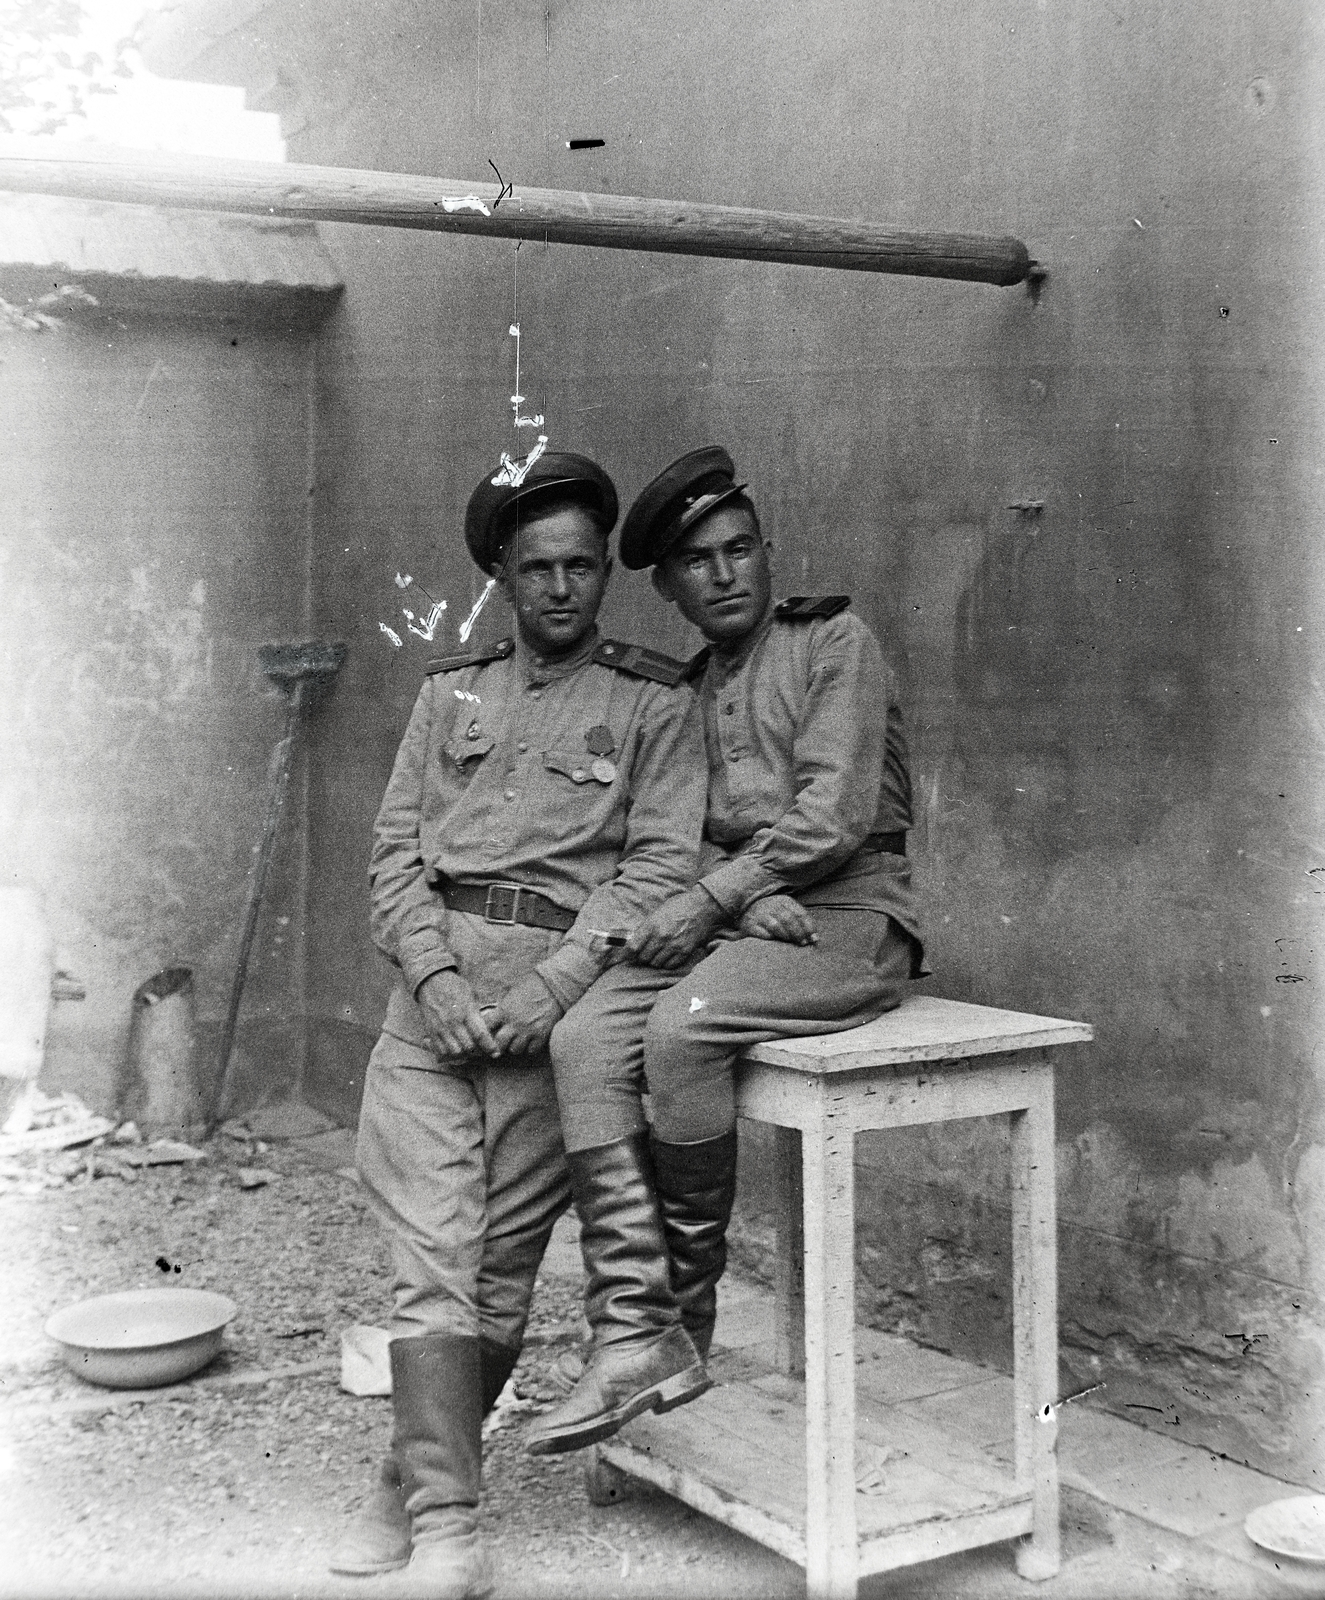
[[238, 1489]]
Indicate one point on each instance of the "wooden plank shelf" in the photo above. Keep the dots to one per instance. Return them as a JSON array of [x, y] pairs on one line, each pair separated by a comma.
[[738, 1455]]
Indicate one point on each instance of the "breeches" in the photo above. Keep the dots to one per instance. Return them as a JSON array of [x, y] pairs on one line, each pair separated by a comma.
[[462, 1161], [641, 1030]]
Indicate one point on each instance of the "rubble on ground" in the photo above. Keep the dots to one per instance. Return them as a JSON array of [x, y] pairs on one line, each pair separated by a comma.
[[65, 1143]]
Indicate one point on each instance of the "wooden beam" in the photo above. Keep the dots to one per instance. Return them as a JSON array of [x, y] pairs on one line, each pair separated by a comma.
[[442, 205]]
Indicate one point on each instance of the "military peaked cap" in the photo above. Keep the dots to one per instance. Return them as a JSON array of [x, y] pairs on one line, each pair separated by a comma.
[[559, 470], [674, 502]]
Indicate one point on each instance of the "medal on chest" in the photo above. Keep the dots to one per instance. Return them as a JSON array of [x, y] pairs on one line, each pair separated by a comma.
[[601, 746]]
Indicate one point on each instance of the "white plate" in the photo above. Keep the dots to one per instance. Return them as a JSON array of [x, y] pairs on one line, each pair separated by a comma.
[[1293, 1527]]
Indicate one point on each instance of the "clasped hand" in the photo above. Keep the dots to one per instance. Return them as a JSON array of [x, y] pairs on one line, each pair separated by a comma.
[[458, 1026], [778, 916], [672, 934]]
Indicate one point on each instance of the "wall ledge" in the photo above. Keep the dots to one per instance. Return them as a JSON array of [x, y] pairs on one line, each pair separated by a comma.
[[141, 259]]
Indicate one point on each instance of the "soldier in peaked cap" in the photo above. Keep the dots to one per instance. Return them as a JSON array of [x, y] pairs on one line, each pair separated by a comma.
[[548, 786], [802, 919]]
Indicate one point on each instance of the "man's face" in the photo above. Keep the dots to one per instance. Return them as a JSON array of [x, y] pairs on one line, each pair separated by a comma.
[[720, 576], [555, 579]]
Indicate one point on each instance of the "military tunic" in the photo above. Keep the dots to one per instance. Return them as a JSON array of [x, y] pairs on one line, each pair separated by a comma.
[[807, 759], [809, 794], [581, 778]]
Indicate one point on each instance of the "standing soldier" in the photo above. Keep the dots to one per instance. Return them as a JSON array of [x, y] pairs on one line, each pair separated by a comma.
[[804, 897], [545, 788]]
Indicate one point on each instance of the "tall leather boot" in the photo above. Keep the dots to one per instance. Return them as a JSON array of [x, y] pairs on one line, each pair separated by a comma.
[[378, 1537], [496, 1364], [642, 1358], [437, 1396], [696, 1186]]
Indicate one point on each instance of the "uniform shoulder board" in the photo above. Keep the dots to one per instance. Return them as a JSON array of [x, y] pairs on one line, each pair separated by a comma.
[[472, 658], [694, 668], [804, 607], [639, 662]]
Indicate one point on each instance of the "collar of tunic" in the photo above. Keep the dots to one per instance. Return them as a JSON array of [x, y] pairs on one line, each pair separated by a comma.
[[723, 664], [548, 669]]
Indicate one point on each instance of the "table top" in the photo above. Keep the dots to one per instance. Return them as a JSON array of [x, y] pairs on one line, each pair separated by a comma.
[[923, 1029]]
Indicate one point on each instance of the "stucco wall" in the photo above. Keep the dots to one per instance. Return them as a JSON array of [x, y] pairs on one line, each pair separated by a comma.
[[1114, 712], [154, 478]]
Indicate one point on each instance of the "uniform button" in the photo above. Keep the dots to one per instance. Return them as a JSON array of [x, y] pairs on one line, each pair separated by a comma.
[[729, 708], [579, 775], [510, 794], [523, 749], [535, 694]]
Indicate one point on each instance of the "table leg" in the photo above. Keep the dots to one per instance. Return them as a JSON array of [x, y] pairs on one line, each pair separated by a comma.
[[1035, 1321], [830, 1362], [789, 1281]]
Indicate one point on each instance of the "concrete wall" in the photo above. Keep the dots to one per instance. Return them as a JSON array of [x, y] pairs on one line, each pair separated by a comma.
[[154, 478], [1114, 702]]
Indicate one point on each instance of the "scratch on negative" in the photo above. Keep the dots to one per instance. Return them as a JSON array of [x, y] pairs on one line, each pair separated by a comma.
[[696, 1004], [392, 635], [152, 376]]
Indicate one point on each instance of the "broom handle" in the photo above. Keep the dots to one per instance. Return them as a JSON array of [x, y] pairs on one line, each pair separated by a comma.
[[280, 781]]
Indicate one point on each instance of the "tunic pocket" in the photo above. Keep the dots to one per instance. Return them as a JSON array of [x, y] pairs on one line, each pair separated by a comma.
[[576, 767]]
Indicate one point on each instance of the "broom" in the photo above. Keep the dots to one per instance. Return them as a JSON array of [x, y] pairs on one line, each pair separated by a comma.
[[303, 671]]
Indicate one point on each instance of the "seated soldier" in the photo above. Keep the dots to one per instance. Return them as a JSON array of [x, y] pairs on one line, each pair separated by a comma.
[[804, 902]]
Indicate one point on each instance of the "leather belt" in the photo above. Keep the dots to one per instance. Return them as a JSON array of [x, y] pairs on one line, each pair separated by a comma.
[[891, 844], [506, 903]]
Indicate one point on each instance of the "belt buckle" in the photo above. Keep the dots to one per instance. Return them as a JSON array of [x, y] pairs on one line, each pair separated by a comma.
[[514, 890]]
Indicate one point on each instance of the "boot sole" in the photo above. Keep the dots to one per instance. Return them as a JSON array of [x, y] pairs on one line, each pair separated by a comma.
[[665, 1396], [350, 1569]]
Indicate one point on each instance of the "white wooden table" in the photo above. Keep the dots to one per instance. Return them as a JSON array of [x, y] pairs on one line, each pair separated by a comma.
[[737, 1454]]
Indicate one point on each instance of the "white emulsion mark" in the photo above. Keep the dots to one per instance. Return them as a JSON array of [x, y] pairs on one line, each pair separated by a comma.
[[467, 626], [429, 627], [513, 472], [469, 202]]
